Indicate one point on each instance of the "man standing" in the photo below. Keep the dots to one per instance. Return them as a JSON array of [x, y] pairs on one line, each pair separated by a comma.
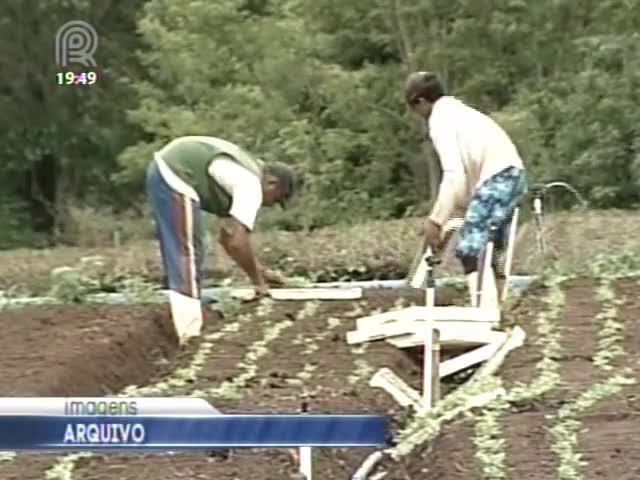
[[197, 173], [481, 170]]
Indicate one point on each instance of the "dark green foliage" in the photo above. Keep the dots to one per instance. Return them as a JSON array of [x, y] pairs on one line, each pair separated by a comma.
[[318, 84]]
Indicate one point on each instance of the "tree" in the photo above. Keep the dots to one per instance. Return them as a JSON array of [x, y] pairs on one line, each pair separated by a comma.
[[60, 141]]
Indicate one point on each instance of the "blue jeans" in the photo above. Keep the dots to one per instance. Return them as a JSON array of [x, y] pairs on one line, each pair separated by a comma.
[[178, 223], [492, 204]]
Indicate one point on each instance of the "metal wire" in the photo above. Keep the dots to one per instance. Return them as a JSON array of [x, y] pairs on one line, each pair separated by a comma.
[[540, 190]]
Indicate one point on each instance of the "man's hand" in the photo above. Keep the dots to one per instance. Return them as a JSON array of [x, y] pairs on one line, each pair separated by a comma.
[[251, 295], [432, 233], [261, 291], [273, 278]]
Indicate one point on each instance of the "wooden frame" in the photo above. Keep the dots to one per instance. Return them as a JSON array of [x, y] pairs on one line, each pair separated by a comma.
[[449, 339], [437, 314], [403, 393], [466, 360], [461, 331], [514, 339]]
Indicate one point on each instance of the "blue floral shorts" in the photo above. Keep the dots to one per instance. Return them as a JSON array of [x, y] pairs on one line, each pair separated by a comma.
[[493, 203]]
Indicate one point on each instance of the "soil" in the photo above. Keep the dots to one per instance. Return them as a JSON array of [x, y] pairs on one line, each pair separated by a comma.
[[79, 350], [82, 350], [609, 441], [529, 443], [141, 349]]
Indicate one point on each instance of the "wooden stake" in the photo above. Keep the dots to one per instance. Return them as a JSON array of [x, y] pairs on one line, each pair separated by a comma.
[[305, 453], [436, 314], [485, 268], [430, 296], [305, 462], [431, 373], [509, 256], [431, 381], [435, 366], [537, 215]]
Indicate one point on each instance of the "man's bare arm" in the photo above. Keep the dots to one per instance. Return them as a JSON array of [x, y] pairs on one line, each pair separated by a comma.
[[235, 238]]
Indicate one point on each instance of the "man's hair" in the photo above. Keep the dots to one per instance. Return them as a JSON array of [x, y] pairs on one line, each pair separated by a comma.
[[423, 85], [287, 179]]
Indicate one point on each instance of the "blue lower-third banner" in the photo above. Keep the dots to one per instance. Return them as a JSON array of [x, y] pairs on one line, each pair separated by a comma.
[[176, 432]]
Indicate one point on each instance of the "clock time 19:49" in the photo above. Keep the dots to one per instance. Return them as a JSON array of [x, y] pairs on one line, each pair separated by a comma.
[[73, 78]]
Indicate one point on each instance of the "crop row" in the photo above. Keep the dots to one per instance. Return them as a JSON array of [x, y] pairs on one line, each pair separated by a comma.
[[488, 437], [182, 377]]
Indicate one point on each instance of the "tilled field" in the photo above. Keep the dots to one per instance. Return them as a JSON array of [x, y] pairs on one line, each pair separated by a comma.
[[570, 405], [572, 415]]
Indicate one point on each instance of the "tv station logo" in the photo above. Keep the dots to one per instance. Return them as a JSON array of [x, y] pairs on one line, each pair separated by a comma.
[[76, 43]]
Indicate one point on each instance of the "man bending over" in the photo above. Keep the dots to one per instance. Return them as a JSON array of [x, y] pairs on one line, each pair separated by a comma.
[[197, 173]]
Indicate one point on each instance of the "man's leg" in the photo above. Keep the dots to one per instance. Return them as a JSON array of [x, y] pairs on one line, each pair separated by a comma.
[[473, 240], [200, 249], [500, 246], [493, 203], [514, 186], [175, 215], [156, 223]]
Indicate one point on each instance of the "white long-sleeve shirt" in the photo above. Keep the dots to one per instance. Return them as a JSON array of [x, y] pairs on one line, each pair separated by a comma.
[[471, 147]]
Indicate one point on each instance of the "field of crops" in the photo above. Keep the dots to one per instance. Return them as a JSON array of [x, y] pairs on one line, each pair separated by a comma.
[[571, 412]]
